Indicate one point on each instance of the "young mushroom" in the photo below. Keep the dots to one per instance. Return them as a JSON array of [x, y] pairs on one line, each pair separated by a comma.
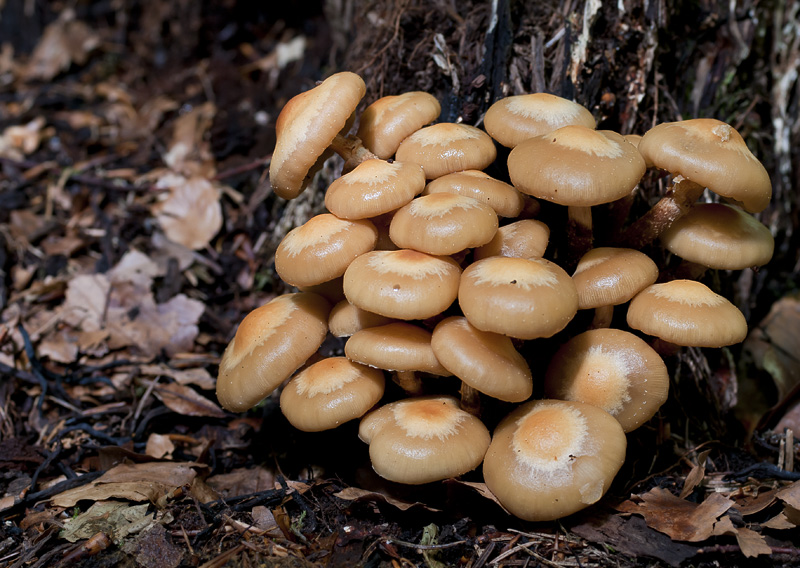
[[388, 121], [445, 148]]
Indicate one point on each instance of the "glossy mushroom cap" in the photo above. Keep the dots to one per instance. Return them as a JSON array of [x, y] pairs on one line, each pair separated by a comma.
[[517, 118], [576, 166], [503, 198], [389, 120], [685, 312], [425, 439], [522, 298], [271, 343], [527, 238], [446, 148], [398, 346], [345, 319], [611, 369], [720, 236], [488, 362], [607, 276], [322, 248], [330, 392], [306, 127], [402, 284], [711, 154], [550, 458], [373, 188]]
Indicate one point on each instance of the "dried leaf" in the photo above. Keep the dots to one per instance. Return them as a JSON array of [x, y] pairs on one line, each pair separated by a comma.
[[85, 302], [356, 494], [790, 495], [243, 481], [111, 517], [677, 518], [189, 151], [185, 400], [779, 522], [750, 542], [696, 475], [18, 141], [64, 42], [189, 213], [159, 446], [482, 490]]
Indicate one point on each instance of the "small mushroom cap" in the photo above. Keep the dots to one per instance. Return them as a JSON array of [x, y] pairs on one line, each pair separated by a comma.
[[607, 276], [345, 319], [612, 369], [685, 312], [720, 236], [551, 458], [306, 127], [373, 188], [424, 439], [503, 198], [443, 224], [398, 346], [272, 342], [488, 362], [403, 284], [712, 154], [527, 238], [517, 118], [522, 298], [576, 166], [446, 148], [389, 120], [322, 248], [330, 392]]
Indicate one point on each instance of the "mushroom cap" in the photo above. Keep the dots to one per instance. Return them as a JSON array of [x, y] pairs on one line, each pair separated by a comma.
[[523, 298], [424, 439], [612, 369], [488, 362], [442, 224], [551, 458], [446, 148], [517, 118], [720, 236], [527, 238], [576, 166], [500, 196], [345, 319], [373, 188], [712, 154], [389, 120], [330, 392], [306, 127], [322, 248], [685, 312], [403, 284], [398, 346], [272, 342], [607, 276]]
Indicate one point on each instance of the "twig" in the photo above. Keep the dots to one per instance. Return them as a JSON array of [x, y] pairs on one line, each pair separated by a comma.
[[425, 546]]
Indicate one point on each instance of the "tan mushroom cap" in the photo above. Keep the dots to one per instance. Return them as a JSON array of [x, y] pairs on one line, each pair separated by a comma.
[[389, 120], [527, 238], [612, 369], [551, 458], [398, 346], [330, 392], [503, 198], [446, 147], [576, 166], [607, 276], [685, 312], [424, 439], [517, 118], [332, 290], [522, 298], [306, 127], [345, 319], [271, 343], [403, 284], [442, 224], [488, 362], [373, 188], [720, 236], [712, 154], [322, 248]]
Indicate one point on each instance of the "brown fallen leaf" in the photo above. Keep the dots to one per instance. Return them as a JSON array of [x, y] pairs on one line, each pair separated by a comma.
[[356, 494], [790, 495], [189, 212], [482, 490], [781, 521], [186, 401], [159, 446], [677, 518], [696, 475], [243, 481], [64, 42], [750, 542]]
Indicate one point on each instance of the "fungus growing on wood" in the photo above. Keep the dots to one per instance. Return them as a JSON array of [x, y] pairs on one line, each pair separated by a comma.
[[446, 147], [503, 198], [526, 238], [391, 119]]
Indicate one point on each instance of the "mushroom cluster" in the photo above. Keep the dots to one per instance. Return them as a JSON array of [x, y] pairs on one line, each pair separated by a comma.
[[432, 268]]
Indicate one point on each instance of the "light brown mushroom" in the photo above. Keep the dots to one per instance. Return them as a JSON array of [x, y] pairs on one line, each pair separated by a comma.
[[526, 238], [446, 148], [500, 196], [388, 121]]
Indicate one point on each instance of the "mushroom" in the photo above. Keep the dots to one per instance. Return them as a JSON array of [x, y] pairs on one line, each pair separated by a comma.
[[330, 392], [551, 458], [388, 121], [272, 342], [503, 198], [612, 369], [685, 312], [345, 319], [424, 439], [446, 148], [527, 238]]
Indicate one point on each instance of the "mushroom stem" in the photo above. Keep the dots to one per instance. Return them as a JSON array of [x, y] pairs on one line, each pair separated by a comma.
[[352, 151], [409, 382], [470, 400], [579, 233], [602, 317], [677, 201]]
